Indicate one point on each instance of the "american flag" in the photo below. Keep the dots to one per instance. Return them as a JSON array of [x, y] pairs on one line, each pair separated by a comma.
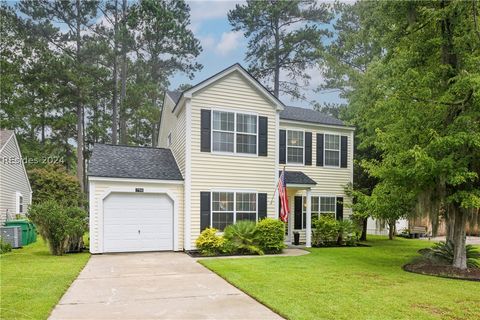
[[282, 192]]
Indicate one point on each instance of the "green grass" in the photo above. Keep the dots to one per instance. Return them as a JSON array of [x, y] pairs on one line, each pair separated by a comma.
[[33, 281], [351, 283]]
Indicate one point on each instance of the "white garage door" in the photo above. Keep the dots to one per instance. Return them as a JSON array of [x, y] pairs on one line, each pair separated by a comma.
[[137, 222]]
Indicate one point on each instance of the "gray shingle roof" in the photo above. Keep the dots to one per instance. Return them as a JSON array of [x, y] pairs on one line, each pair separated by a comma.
[[175, 95], [309, 115], [133, 162], [297, 177]]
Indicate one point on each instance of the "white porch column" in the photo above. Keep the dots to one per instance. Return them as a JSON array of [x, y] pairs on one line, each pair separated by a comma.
[[308, 232]]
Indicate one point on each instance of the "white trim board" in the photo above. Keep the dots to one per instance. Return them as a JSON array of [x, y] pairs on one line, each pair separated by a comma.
[[234, 68], [134, 180]]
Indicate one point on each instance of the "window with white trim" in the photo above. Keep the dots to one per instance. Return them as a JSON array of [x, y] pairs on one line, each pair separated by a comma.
[[332, 150], [230, 207], [234, 132], [19, 202], [320, 205], [295, 146]]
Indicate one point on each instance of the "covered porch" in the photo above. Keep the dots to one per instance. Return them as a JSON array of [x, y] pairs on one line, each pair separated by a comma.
[[299, 192]]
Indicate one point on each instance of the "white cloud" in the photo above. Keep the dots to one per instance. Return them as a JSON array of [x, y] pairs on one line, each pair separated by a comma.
[[229, 41], [208, 42], [202, 10]]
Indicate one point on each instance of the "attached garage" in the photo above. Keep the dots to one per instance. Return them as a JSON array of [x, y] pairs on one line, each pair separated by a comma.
[[137, 222], [136, 200]]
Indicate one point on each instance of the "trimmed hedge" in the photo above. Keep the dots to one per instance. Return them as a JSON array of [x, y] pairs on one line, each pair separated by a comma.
[[270, 235]]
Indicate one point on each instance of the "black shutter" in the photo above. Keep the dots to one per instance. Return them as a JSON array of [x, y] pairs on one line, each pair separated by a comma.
[[308, 148], [283, 146], [320, 149], [262, 136], [204, 210], [205, 130], [343, 151], [262, 206], [298, 212], [339, 208]]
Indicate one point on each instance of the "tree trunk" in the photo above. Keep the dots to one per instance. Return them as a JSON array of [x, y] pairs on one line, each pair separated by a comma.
[[459, 240], [79, 106], [123, 76], [363, 236], [115, 79], [391, 230], [276, 77]]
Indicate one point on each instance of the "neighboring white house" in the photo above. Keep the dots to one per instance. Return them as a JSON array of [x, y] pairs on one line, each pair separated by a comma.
[[375, 226], [15, 190], [222, 145]]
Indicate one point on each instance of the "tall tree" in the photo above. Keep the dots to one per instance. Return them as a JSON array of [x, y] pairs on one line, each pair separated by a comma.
[[354, 46], [426, 121], [77, 17], [284, 37], [164, 45]]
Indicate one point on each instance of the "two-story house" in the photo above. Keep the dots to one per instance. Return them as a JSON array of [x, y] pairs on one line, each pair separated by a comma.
[[222, 144]]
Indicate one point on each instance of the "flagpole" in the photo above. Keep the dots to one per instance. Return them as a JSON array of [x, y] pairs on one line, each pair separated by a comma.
[[276, 187]]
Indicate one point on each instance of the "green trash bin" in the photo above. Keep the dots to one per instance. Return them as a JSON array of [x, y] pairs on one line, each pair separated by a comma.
[[27, 230], [34, 232]]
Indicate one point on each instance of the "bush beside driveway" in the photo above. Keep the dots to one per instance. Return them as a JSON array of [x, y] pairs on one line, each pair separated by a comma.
[[33, 281]]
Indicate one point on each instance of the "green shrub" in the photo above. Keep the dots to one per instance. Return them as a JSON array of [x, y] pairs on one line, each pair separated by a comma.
[[209, 243], [76, 226], [442, 252], [5, 247], [270, 234], [347, 232], [242, 235], [325, 230], [54, 183], [62, 228]]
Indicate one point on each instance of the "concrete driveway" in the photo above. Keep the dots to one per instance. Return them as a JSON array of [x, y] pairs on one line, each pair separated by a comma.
[[154, 286]]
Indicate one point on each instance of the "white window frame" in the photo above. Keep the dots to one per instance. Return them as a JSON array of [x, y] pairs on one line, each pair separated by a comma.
[[319, 196], [325, 134], [234, 204], [169, 139], [235, 132], [287, 146], [18, 195]]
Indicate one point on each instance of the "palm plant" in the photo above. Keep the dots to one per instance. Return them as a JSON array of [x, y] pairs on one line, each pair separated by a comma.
[[443, 251], [242, 235]]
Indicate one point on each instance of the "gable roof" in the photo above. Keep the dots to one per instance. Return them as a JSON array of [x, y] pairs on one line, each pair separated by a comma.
[[297, 177], [133, 162], [5, 135], [235, 67], [309, 115], [174, 95], [289, 113]]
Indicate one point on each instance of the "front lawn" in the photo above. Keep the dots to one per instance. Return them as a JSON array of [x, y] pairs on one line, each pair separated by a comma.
[[33, 281], [352, 283]]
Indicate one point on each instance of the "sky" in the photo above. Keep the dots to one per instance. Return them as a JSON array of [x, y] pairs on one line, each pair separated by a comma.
[[223, 47]]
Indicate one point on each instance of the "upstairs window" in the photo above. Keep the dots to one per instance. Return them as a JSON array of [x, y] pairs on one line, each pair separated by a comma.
[[332, 150], [295, 146], [234, 132], [246, 133], [223, 131]]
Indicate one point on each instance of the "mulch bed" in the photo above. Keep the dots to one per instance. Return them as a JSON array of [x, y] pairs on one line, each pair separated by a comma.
[[197, 254], [445, 271]]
